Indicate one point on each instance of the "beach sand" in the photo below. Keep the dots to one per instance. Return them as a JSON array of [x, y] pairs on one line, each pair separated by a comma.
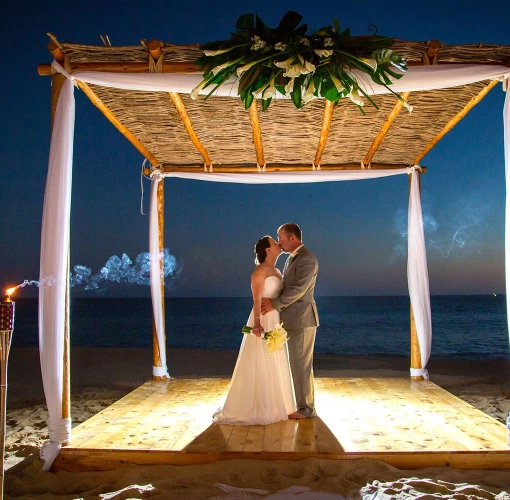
[[100, 376]]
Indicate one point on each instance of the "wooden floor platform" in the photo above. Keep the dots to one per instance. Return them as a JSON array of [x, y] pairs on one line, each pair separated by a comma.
[[408, 424]]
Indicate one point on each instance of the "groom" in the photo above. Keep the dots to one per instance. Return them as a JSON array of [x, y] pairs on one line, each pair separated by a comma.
[[298, 313]]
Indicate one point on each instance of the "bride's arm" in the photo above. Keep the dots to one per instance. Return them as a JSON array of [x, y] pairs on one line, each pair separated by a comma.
[[257, 285]]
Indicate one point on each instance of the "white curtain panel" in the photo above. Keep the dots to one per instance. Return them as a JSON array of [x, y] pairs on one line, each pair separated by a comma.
[[415, 79], [56, 212], [156, 274], [53, 270], [506, 125]]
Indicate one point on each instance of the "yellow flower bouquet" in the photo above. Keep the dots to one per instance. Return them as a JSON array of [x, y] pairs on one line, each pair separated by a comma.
[[275, 339]]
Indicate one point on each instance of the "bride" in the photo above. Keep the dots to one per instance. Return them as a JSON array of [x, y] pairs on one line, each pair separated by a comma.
[[261, 390]]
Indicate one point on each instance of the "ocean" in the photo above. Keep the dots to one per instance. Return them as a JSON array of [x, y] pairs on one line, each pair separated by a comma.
[[464, 326]]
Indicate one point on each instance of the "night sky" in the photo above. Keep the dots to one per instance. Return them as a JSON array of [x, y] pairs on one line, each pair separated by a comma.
[[353, 227]]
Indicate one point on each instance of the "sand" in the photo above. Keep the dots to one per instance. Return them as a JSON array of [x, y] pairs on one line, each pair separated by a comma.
[[115, 372]]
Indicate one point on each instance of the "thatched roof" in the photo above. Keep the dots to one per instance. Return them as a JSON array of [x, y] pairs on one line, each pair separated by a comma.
[[289, 137]]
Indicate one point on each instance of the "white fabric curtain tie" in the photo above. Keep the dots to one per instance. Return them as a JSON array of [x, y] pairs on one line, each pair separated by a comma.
[[60, 432], [156, 175], [160, 371], [316, 167], [49, 452], [59, 429], [261, 168], [414, 168], [60, 69], [419, 372], [208, 168]]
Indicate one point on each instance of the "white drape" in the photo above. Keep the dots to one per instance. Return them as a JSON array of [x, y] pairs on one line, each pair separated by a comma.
[[415, 79], [156, 274], [506, 128], [418, 276], [55, 226], [53, 270]]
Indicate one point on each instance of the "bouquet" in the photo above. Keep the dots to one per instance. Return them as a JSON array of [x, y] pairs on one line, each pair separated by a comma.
[[275, 339]]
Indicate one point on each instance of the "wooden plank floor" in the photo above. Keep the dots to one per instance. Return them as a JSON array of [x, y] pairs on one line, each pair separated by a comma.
[[406, 423]]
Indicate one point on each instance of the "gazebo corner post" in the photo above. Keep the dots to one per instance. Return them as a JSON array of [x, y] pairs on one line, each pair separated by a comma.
[[418, 280], [158, 288], [57, 80]]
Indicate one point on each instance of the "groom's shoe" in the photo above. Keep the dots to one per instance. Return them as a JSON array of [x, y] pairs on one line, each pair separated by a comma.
[[296, 416]]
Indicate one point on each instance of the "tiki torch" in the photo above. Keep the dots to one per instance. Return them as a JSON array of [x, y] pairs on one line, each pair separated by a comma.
[[6, 329]]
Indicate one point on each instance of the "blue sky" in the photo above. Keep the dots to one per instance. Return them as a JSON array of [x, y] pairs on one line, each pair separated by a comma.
[[354, 228]]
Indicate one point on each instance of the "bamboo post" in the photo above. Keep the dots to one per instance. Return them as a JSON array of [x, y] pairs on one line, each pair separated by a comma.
[[456, 119], [161, 226], [415, 342], [155, 53], [181, 109], [326, 124], [257, 133], [384, 129]]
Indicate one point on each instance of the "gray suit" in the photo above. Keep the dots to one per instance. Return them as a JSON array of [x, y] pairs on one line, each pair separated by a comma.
[[298, 313]]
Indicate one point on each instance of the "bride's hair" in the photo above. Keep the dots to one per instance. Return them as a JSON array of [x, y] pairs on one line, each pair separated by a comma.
[[260, 249]]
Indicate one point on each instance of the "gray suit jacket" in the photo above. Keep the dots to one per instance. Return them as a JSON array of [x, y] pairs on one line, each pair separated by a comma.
[[296, 302]]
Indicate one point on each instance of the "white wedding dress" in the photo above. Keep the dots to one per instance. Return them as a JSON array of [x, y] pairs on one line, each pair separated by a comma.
[[261, 390]]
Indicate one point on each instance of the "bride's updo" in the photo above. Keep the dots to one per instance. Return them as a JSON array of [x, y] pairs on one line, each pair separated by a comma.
[[260, 249]]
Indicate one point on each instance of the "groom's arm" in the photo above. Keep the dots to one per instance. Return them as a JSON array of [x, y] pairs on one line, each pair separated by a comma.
[[299, 283]]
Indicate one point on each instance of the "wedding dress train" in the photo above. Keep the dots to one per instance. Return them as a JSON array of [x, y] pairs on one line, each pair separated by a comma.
[[261, 390]]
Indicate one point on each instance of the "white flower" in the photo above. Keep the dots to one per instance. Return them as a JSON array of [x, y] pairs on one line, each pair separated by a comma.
[[284, 64], [259, 43], [197, 89], [328, 42], [323, 52], [293, 71], [355, 98], [280, 46], [244, 68], [304, 41], [369, 62], [259, 92], [308, 94], [270, 90], [211, 53], [275, 339], [338, 84], [308, 67], [408, 107], [289, 87], [221, 67]]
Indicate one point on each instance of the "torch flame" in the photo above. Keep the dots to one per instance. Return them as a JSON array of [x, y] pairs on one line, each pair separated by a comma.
[[10, 291]]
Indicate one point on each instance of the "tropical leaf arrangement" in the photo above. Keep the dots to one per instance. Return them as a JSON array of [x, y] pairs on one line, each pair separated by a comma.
[[297, 65]]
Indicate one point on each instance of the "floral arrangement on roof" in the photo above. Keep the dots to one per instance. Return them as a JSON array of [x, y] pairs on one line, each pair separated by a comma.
[[297, 65]]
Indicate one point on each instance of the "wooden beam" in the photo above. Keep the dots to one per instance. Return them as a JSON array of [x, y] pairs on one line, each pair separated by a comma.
[[184, 67], [118, 125], [252, 169], [257, 134], [326, 124], [181, 109], [384, 128], [456, 119]]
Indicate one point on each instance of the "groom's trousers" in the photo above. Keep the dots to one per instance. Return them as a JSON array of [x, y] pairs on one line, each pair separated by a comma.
[[301, 343]]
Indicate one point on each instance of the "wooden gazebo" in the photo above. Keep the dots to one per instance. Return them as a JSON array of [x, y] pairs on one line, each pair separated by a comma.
[[179, 135]]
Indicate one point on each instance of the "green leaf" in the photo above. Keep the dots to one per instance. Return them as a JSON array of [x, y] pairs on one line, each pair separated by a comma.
[[248, 100], [266, 103], [296, 96], [336, 24], [248, 77], [245, 22], [288, 24]]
